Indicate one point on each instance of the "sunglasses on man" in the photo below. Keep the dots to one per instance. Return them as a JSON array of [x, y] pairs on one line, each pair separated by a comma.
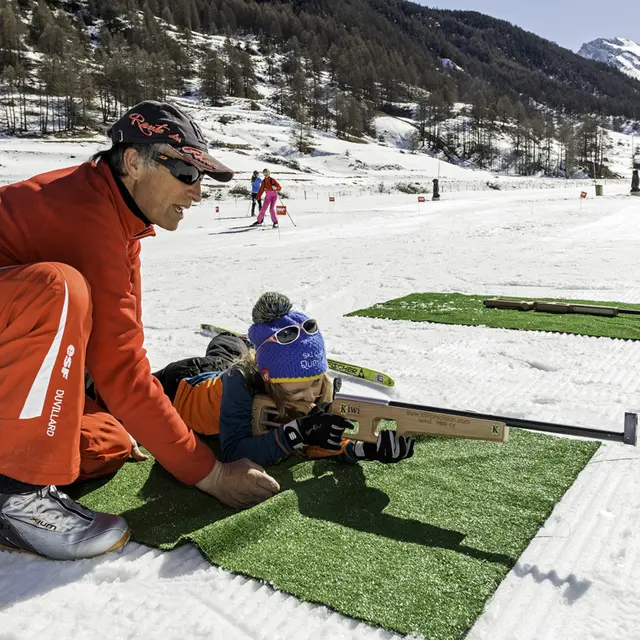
[[291, 333], [183, 171]]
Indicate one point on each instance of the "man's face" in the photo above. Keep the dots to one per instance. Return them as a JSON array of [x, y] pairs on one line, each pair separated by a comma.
[[161, 197]]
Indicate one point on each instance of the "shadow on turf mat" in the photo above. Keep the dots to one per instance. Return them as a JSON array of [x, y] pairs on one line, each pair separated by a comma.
[[168, 512], [353, 504]]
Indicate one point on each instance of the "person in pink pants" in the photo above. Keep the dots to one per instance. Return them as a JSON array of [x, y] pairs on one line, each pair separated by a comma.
[[270, 188]]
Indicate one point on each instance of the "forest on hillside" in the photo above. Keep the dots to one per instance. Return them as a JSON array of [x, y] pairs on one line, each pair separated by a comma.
[[334, 64]]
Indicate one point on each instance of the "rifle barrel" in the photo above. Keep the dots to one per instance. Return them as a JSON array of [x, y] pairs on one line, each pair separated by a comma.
[[627, 436]]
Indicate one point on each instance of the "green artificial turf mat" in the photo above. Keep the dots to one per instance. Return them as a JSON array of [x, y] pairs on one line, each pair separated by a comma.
[[416, 547], [455, 308]]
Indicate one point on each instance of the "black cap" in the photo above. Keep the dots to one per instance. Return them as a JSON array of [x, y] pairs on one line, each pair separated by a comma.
[[152, 122]]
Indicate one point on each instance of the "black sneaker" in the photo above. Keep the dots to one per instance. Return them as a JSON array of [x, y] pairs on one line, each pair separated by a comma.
[[275, 224], [257, 223]]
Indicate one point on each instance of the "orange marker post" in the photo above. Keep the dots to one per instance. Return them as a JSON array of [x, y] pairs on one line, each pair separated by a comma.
[[583, 195]]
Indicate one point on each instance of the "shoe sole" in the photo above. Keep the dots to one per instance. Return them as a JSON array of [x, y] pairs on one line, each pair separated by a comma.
[[121, 542], [115, 547]]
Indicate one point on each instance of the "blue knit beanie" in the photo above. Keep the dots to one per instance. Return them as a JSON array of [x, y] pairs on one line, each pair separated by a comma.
[[303, 359]]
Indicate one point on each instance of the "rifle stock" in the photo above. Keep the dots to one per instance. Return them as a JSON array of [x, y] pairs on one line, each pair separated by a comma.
[[410, 420]]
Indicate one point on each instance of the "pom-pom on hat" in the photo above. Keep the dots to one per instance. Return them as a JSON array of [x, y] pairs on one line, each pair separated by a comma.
[[300, 360]]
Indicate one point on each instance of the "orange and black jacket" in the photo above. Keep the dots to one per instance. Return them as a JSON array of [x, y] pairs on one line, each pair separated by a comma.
[[82, 217], [268, 184], [220, 403]]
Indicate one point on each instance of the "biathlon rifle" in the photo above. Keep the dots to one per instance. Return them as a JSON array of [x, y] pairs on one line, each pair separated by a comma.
[[557, 307], [416, 419]]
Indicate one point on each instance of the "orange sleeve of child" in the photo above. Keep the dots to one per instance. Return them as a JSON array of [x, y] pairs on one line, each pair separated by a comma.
[[199, 405]]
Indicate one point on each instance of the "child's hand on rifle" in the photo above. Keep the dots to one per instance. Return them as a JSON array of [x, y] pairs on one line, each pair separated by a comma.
[[389, 447], [317, 429]]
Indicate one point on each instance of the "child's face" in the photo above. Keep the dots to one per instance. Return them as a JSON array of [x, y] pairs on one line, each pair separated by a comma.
[[303, 391]]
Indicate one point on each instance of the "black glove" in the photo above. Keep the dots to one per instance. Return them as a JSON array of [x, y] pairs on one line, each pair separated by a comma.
[[317, 429], [390, 447]]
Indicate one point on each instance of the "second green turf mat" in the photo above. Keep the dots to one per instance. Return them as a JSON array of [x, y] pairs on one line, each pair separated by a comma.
[[456, 308]]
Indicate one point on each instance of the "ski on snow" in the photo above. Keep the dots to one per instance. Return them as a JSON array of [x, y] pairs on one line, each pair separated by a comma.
[[247, 227], [346, 368]]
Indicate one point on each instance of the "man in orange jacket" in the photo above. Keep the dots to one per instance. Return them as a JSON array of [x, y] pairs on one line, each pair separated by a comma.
[[70, 299]]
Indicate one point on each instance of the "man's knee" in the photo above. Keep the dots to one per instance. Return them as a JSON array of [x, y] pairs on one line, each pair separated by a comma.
[[105, 444], [52, 283], [76, 284]]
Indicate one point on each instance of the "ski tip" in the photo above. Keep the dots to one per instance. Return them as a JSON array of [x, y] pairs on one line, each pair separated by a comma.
[[214, 329], [361, 373]]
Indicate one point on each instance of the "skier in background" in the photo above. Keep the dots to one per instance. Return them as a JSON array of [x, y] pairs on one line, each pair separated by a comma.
[[255, 188], [270, 188], [214, 394]]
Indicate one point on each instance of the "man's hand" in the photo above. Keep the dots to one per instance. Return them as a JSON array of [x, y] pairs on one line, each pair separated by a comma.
[[239, 484]]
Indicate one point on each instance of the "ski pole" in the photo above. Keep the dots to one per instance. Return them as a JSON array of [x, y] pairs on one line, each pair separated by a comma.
[[287, 211]]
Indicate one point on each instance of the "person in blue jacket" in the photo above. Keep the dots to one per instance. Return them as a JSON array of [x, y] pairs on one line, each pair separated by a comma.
[[284, 358], [256, 181]]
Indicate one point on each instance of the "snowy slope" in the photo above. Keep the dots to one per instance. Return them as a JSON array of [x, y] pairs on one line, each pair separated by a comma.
[[577, 580], [617, 52], [335, 161]]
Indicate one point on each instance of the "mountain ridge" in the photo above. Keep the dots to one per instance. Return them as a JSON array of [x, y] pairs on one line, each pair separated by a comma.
[[619, 53]]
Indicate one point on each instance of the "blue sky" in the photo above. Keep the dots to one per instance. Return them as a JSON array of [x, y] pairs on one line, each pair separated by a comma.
[[568, 23]]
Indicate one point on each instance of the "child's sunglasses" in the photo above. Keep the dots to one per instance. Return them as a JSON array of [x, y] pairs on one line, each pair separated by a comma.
[[291, 333], [183, 171]]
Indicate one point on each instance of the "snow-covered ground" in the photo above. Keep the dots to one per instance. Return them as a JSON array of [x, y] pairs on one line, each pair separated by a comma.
[[578, 580]]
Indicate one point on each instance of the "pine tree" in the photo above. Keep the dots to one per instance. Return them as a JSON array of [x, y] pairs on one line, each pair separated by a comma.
[[213, 78], [41, 18], [195, 18], [550, 134], [247, 74], [301, 133], [341, 113], [355, 124], [11, 31], [167, 16], [297, 95], [567, 139]]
